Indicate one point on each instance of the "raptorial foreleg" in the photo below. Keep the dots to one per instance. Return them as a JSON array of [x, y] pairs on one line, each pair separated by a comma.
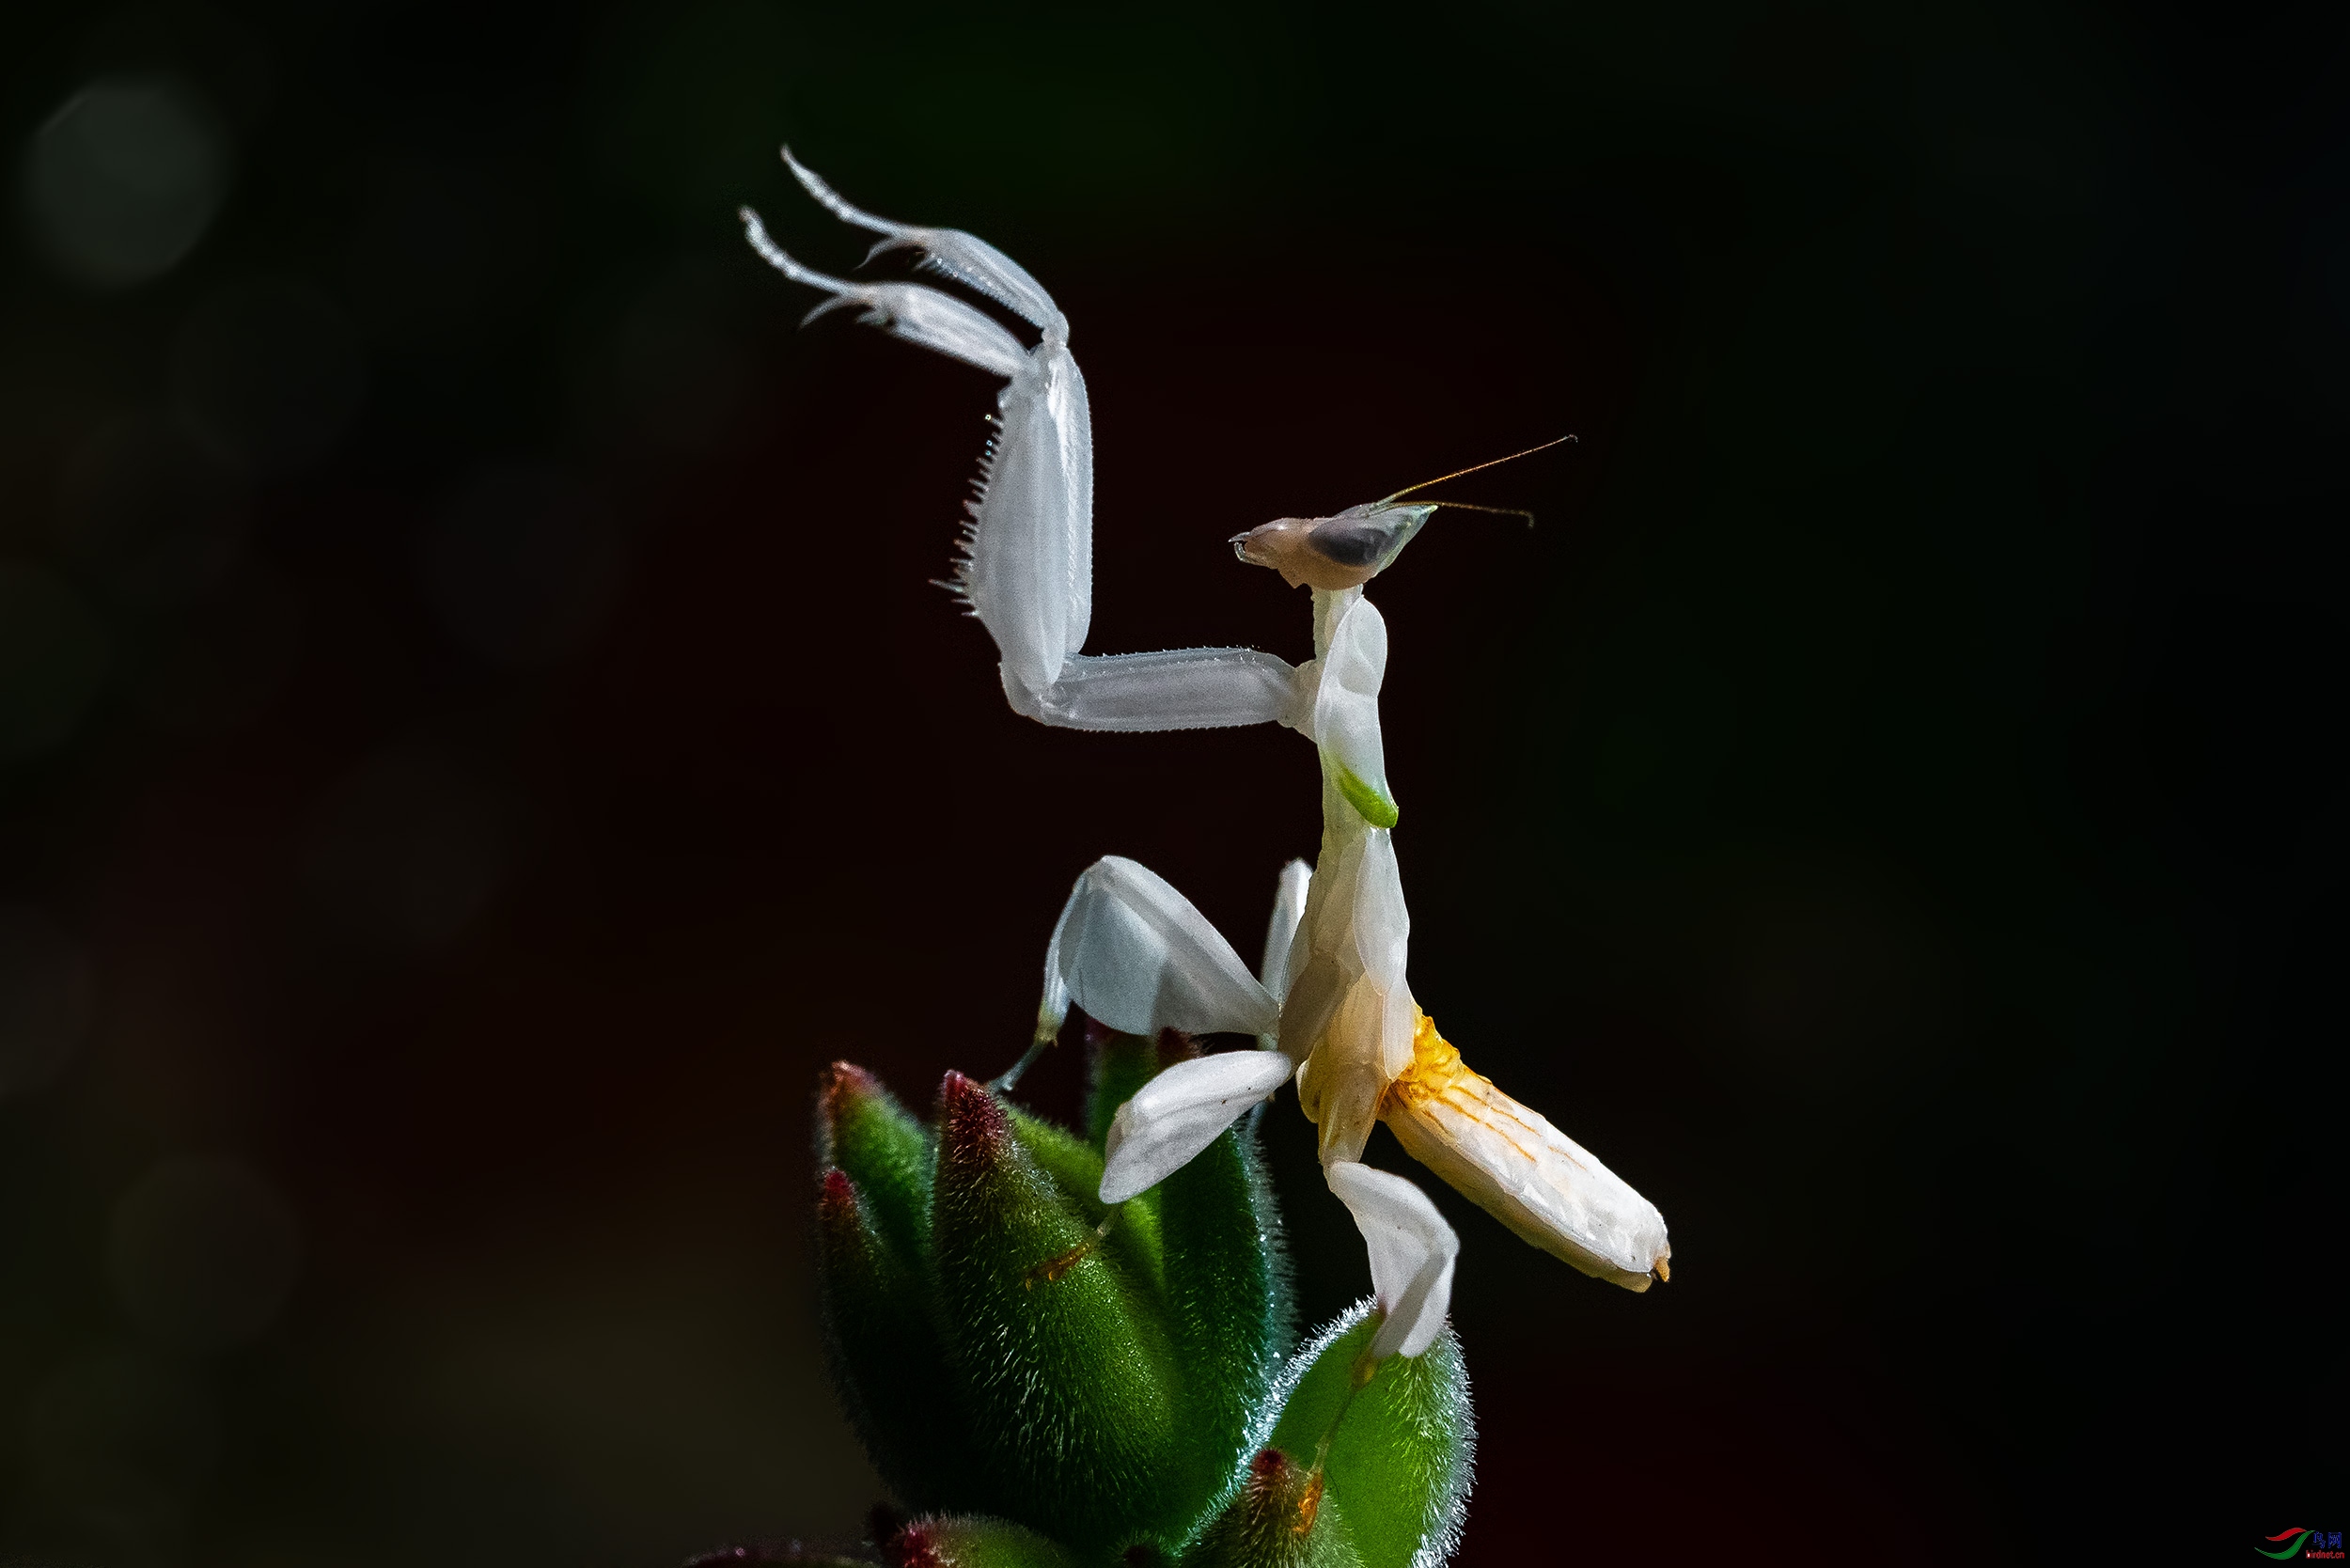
[[1028, 565], [965, 257]]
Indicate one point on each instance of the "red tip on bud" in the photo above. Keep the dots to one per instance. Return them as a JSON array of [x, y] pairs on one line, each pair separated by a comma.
[[1280, 1497], [972, 1126], [843, 1081], [839, 1089], [914, 1546], [840, 1217]]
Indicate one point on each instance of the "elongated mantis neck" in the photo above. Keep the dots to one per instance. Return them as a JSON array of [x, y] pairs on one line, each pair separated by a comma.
[[1330, 607], [1340, 820]]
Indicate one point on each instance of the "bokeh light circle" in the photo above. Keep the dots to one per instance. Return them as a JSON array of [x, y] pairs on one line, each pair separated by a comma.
[[122, 180]]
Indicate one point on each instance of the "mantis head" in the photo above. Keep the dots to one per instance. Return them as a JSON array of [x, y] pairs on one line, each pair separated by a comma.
[[1333, 553], [1350, 548]]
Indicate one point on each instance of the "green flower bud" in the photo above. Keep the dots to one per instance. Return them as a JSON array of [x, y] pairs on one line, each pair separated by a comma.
[[1116, 1066], [1061, 1350], [1225, 1276], [1401, 1446], [885, 1353], [1281, 1517], [861, 1128], [1227, 1303], [1075, 1167]]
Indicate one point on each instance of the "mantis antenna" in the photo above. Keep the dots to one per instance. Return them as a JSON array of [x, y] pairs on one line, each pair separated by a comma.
[[1477, 468], [1471, 506]]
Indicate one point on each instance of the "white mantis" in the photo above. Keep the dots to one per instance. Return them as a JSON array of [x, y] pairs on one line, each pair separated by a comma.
[[1329, 1002]]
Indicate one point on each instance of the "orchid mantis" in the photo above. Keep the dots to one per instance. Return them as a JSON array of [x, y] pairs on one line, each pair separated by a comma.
[[1329, 1003]]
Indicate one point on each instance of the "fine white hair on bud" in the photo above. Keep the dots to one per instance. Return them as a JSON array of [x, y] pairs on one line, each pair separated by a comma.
[[1178, 1113], [1411, 1253], [1139, 958]]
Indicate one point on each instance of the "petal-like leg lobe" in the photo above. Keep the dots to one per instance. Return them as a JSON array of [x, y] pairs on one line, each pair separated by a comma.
[[1411, 1253], [1139, 957], [1178, 1113]]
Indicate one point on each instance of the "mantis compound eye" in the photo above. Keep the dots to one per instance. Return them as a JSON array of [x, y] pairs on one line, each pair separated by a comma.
[[1333, 553]]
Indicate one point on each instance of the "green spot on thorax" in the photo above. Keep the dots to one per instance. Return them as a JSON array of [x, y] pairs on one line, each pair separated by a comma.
[[1377, 806]]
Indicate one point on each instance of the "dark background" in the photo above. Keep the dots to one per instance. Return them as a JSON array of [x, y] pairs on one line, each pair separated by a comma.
[[475, 735]]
